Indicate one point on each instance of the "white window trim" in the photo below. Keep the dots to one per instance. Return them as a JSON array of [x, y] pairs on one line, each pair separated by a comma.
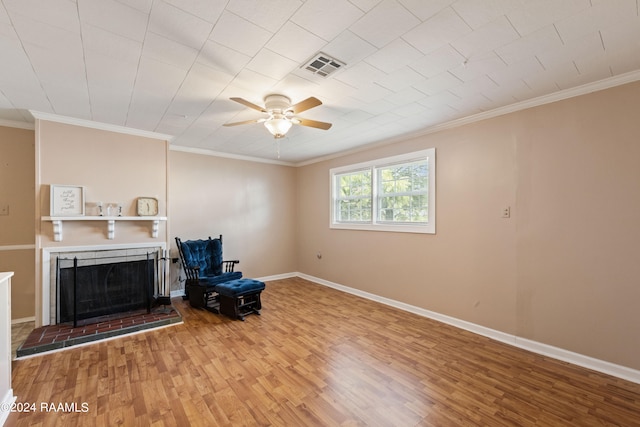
[[427, 228]]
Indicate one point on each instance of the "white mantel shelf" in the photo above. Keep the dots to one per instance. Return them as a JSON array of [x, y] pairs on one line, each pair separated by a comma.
[[110, 220]]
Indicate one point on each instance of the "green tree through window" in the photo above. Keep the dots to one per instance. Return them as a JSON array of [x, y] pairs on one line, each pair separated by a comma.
[[391, 194], [402, 192], [354, 200]]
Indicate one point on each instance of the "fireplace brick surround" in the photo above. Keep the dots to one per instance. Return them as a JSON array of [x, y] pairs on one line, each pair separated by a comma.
[[87, 255]]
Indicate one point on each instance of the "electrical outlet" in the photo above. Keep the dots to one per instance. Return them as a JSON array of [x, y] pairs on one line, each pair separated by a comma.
[[506, 212], [4, 209]]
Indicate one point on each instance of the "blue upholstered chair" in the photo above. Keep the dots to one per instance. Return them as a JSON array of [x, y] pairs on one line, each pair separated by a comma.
[[205, 268]]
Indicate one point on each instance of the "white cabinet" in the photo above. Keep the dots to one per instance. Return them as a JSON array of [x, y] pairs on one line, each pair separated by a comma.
[[6, 392]]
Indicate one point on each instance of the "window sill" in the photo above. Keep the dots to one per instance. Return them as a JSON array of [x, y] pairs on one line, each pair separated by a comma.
[[419, 229]]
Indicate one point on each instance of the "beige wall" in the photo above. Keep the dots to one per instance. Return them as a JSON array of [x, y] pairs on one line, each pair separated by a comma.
[[251, 204], [114, 167], [578, 233], [563, 270], [17, 233]]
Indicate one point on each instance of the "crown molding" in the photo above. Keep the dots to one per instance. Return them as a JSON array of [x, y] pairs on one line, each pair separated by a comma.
[[98, 125], [212, 153], [137, 132], [585, 89]]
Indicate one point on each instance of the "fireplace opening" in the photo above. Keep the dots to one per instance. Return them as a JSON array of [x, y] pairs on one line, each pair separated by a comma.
[[104, 286]]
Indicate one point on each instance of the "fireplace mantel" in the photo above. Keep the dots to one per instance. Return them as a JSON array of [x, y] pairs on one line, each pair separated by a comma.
[[111, 223]]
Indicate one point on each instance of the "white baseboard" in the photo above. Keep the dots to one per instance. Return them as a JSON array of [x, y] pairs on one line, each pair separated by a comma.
[[178, 293], [23, 320], [278, 277], [605, 367], [588, 362]]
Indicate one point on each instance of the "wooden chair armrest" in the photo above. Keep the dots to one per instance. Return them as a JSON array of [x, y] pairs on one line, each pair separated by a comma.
[[192, 272], [230, 265]]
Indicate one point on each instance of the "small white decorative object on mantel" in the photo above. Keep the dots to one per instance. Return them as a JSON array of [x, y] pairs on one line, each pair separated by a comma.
[[67, 200]]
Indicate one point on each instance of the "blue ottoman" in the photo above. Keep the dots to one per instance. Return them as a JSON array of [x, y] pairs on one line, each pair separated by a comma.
[[240, 297]]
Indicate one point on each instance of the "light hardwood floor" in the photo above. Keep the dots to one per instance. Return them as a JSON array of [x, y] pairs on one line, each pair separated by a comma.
[[315, 357]]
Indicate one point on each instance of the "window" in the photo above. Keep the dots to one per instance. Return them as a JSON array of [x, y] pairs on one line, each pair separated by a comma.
[[353, 196], [392, 194]]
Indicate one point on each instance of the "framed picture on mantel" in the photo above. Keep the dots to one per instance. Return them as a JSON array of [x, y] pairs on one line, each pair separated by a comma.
[[67, 200]]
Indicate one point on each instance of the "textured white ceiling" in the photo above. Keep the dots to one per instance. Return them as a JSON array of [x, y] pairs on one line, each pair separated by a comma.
[[170, 66]]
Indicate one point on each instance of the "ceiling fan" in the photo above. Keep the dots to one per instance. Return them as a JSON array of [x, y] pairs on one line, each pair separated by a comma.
[[282, 114]]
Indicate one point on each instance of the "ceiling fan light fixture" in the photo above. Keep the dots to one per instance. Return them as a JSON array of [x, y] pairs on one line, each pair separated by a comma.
[[282, 114], [278, 125]]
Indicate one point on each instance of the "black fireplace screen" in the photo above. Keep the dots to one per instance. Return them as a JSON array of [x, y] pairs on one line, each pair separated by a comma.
[[107, 286]]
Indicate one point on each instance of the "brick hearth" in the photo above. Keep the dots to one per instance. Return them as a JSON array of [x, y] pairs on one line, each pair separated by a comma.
[[63, 335]]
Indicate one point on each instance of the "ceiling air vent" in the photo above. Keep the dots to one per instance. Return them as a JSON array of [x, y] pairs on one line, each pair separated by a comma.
[[323, 65]]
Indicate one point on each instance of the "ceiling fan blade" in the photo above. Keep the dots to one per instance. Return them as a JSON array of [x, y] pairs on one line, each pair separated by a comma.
[[313, 123], [249, 104], [245, 122], [306, 105]]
